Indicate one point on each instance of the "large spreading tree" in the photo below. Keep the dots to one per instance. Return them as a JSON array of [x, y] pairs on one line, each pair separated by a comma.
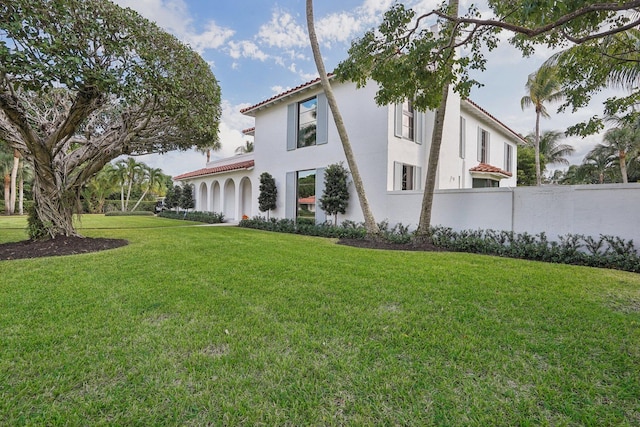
[[85, 81]]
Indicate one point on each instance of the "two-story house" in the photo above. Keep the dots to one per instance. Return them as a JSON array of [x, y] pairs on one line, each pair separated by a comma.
[[295, 139]]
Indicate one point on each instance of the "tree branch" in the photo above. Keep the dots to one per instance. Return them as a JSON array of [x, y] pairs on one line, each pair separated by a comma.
[[532, 32]]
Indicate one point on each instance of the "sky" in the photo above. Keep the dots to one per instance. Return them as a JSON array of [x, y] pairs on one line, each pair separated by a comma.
[[257, 49]]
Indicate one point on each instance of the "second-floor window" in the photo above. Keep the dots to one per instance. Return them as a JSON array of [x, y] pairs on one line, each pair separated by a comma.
[[508, 157], [307, 122], [408, 120], [483, 146]]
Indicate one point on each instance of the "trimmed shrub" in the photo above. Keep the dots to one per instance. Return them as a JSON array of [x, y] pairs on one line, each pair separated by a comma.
[[134, 213], [206, 217], [576, 249], [348, 230]]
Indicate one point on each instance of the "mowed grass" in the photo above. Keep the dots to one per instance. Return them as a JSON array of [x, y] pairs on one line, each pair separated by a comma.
[[229, 326]]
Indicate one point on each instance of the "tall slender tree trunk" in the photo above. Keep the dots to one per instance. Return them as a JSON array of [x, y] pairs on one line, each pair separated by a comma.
[[7, 193], [432, 167], [424, 225], [21, 191], [369, 220], [14, 179], [537, 149], [623, 166]]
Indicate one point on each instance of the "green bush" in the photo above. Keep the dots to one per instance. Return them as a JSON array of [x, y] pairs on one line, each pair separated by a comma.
[[605, 251], [348, 230], [206, 217], [134, 213], [116, 205]]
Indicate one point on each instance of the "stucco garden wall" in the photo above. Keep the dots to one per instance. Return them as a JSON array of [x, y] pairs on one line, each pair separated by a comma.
[[612, 209]]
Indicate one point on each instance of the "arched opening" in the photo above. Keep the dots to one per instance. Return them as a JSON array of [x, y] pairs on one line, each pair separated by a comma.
[[245, 197], [202, 201], [215, 197], [230, 200]]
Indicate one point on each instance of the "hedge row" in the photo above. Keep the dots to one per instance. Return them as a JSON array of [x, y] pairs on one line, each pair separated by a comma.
[[348, 229], [603, 251], [577, 249], [206, 217], [134, 213]]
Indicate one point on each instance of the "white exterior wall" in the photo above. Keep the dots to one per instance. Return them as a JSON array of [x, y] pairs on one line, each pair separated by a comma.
[[498, 136], [233, 193], [366, 125]]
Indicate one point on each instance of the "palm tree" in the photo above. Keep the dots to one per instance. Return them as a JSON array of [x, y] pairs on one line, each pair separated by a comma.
[[153, 179], [127, 170], [551, 151], [216, 146], [25, 173], [542, 86], [101, 186], [600, 160], [246, 148], [14, 180], [622, 142]]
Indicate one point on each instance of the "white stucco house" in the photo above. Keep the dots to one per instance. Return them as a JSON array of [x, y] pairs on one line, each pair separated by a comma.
[[295, 139]]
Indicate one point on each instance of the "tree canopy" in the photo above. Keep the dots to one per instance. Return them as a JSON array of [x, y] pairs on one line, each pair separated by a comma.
[[85, 81], [410, 60]]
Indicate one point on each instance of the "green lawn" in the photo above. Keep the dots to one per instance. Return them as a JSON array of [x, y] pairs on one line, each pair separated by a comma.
[[229, 326]]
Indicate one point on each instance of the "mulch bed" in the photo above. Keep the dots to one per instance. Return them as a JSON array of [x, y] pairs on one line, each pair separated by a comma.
[[79, 245], [55, 247]]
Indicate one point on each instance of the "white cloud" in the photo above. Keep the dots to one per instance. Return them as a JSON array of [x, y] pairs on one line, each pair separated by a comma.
[[174, 16], [283, 32], [171, 15], [212, 38], [338, 27], [246, 49]]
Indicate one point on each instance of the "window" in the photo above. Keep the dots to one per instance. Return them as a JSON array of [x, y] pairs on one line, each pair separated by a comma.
[[306, 194], [508, 157], [307, 122], [484, 183], [483, 146], [406, 177], [463, 137], [408, 120]]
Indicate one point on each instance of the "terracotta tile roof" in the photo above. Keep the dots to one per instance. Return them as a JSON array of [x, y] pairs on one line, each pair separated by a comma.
[[306, 85], [247, 164], [517, 135], [486, 168], [307, 200], [249, 131]]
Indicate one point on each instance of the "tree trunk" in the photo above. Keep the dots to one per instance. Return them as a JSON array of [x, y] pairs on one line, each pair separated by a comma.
[[424, 224], [55, 205], [14, 178], [21, 190], [537, 149], [623, 167], [7, 193], [140, 200], [432, 168], [369, 220]]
